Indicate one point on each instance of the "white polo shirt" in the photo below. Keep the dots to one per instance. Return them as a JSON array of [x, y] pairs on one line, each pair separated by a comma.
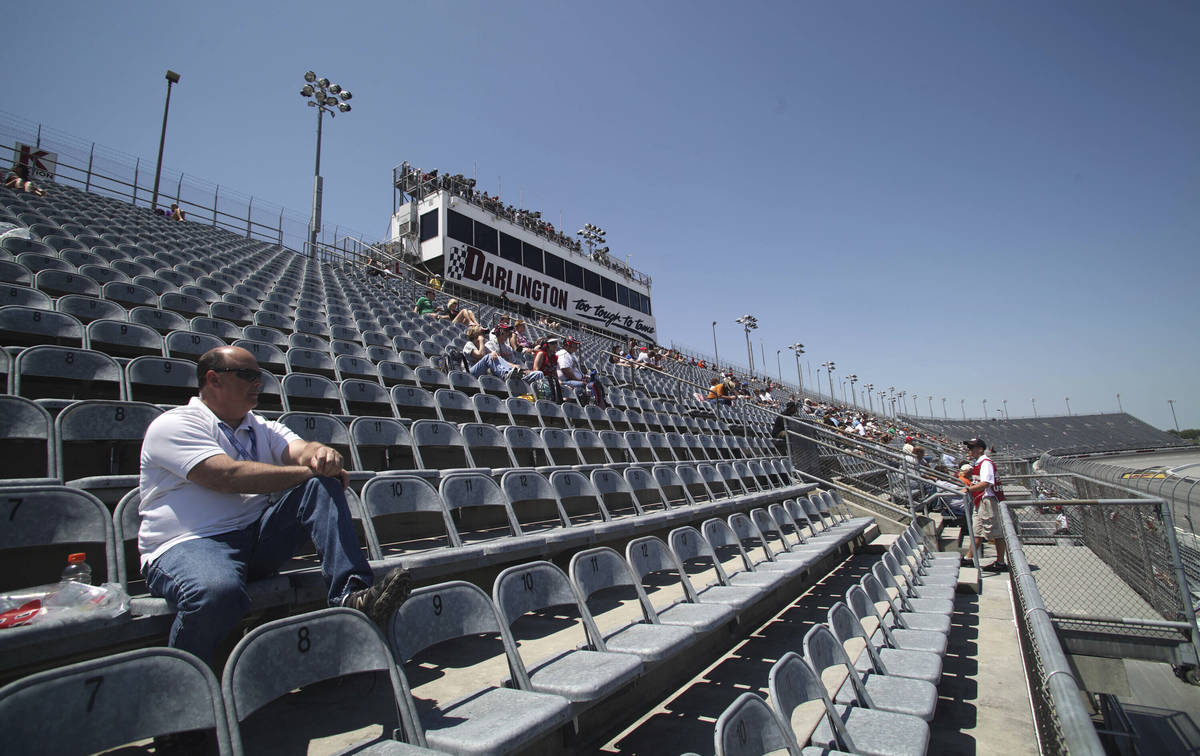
[[174, 509], [568, 361]]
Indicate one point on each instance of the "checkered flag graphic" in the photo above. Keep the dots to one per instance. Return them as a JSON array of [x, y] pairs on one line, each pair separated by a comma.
[[458, 262]]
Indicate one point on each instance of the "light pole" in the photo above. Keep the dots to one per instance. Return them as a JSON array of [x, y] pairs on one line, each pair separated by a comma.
[[882, 406], [172, 78], [1173, 417], [903, 402], [716, 356], [749, 323], [778, 366], [870, 387], [1119, 407], [853, 378], [1005, 408], [985, 414], [916, 405], [798, 349], [1068, 401], [829, 368], [945, 414], [930, 406], [892, 399], [1034, 401], [326, 98], [962, 405], [592, 235]]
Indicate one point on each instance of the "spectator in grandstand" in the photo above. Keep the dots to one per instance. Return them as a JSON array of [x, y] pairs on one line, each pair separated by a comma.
[[983, 494], [19, 179], [520, 338], [424, 305], [570, 369], [482, 359], [455, 313], [435, 282], [176, 214], [782, 424], [545, 361], [500, 344], [374, 265], [227, 497], [717, 389]]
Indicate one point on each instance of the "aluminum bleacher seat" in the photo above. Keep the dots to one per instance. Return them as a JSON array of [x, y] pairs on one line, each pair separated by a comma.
[[703, 570], [66, 373], [363, 397], [891, 637], [581, 675], [303, 360], [591, 449], [669, 591], [88, 309], [265, 334], [597, 418], [438, 445], [190, 344], [414, 403], [537, 508], [560, 447], [222, 329], [381, 444], [393, 374], [268, 356], [305, 392], [899, 611], [116, 700], [57, 283], [523, 412], [487, 445], [98, 445], [269, 663], [455, 407], [29, 326], [527, 447], [491, 409], [163, 321], [580, 503], [321, 427], [732, 550], [15, 273], [748, 727], [161, 380], [484, 518], [551, 414], [46, 523], [26, 442]]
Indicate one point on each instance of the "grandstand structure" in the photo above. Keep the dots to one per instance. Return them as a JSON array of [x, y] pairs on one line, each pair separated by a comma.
[[583, 572]]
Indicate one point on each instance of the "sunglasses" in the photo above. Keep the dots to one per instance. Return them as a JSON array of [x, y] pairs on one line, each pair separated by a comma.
[[249, 375]]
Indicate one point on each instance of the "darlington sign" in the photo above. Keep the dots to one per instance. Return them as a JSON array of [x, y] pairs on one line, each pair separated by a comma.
[[471, 264]]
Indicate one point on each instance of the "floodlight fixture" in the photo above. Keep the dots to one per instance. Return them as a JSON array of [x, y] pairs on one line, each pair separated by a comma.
[[310, 77], [326, 98], [323, 82]]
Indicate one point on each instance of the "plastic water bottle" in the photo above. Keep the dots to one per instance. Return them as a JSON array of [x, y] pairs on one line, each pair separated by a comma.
[[77, 570]]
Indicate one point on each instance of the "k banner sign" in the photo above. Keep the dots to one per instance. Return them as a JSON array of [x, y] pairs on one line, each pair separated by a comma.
[[473, 266], [42, 165]]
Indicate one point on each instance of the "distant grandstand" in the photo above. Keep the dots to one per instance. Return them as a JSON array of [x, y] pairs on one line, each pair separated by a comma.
[[1074, 434]]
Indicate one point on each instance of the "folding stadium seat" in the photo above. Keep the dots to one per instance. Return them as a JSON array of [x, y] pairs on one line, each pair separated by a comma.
[[490, 410], [490, 719], [639, 448], [591, 449], [273, 320], [235, 313], [619, 420], [38, 262], [207, 289], [98, 445], [65, 373], [363, 397], [460, 380], [438, 445], [671, 593], [598, 418], [731, 548], [900, 611], [190, 344], [29, 326], [748, 727], [581, 676], [304, 360], [455, 407], [560, 447], [154, 284], [129, 295], [308, 341], [277, 307], [15, 273], [163, 321], [26, 442], [119, 697], [17, 246], [618, 449], [222, 329], [414, 403], [381, 443], [350, 348], [306, 392], [522, 412], [42, 525], [551, 414], [321, 427], [494, 386], [344, 332], [311, 326], [883, 636], [56, 283], [484, 518], [431, 379], [395, 374], [371, 337], [582, 506], [268, 664]]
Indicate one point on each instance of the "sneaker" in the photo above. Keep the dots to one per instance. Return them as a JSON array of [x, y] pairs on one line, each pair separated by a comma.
[[382, 599]]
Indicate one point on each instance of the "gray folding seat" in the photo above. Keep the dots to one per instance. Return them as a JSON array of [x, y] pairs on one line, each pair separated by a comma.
[[523, 413], [660, 446], [381, 444], [490, 409], [26, 442], [439, 445], [202, 289], [742, 473], [301, 360], [28, 326], [698, 489], [618, 496], [870, 690], [269, 357], [940, 591], [362, 397], [414, 403], [454, 406], [311, 326], [350, 348], [487, 446], [431, 378], [591, 448], [732, 481], [154, 284], [597, 418], [38, 262], [679, 447], [53, 372], [161, 380], [163, 321], [526, 445], [896, 610], [115, 700], [269, 663], [795, 508], [308, 341], [618, 419], [235, 313], [15, 246], [405, 344], [15, 273], [738, 567], [891, 637], [650, 497], [393, 374], [189, 344], [582, 505], [657, 570], [748, 727], [381, 353], [271, 401], [639, 447], [56, 283], [413, 359], [560, 447], [765, 525], [674, 490], [43, 524], [794, 683], [184, 304], [702, 566], [173, 277], [893, 662], [483, 516], [603, 574], [637, 420], [536, 505], [305, 392], [99, 443], [273, 320], [222, 329], [265, 335], [345, 333], [551, 414], [488, 720], [584, 675], [574, 416]]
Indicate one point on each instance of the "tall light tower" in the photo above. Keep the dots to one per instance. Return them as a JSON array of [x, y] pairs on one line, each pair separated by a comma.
[[172, 78], [903, 401], [716, 356], [1119, 407], [1033, 400], [829, 368], [798, 349], [1173, 417], [1005, 408], [962, 405], [853, 378], [326, 98], [945, 414], [778, 367], [749, 323], [985, 414], [1068, 401], [593, 236], [930, 406], [870, 387]]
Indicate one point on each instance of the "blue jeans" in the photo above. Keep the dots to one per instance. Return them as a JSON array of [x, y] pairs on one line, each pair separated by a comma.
[[205, 578]]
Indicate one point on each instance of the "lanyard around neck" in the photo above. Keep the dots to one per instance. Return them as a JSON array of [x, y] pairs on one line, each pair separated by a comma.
[[244, 455]]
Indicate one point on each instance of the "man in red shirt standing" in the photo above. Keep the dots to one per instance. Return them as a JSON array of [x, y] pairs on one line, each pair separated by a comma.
[[983, 494]]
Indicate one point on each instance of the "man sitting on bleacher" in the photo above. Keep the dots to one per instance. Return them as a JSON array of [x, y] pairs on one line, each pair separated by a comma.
[[227, 497]]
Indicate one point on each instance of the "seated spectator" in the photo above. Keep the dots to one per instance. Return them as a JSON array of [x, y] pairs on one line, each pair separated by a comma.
[[424, 305], [176, 214], [716, 391], [457, 314], [19, 180], [545, 361], [500, 343], [483, 361], [435, 282], [520, 338]]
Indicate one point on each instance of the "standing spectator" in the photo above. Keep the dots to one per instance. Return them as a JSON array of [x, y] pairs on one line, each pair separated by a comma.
[[435, 283], [983, 494], [227, 497]]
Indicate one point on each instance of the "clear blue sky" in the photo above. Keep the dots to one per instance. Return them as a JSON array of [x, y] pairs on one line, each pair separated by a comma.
[[988, 200]]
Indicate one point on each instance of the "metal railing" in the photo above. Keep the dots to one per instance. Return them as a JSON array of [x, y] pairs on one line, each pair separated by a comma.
[[1064, 725]]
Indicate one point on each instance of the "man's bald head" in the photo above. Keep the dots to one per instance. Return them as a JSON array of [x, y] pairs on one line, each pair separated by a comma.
[[222, 357]]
